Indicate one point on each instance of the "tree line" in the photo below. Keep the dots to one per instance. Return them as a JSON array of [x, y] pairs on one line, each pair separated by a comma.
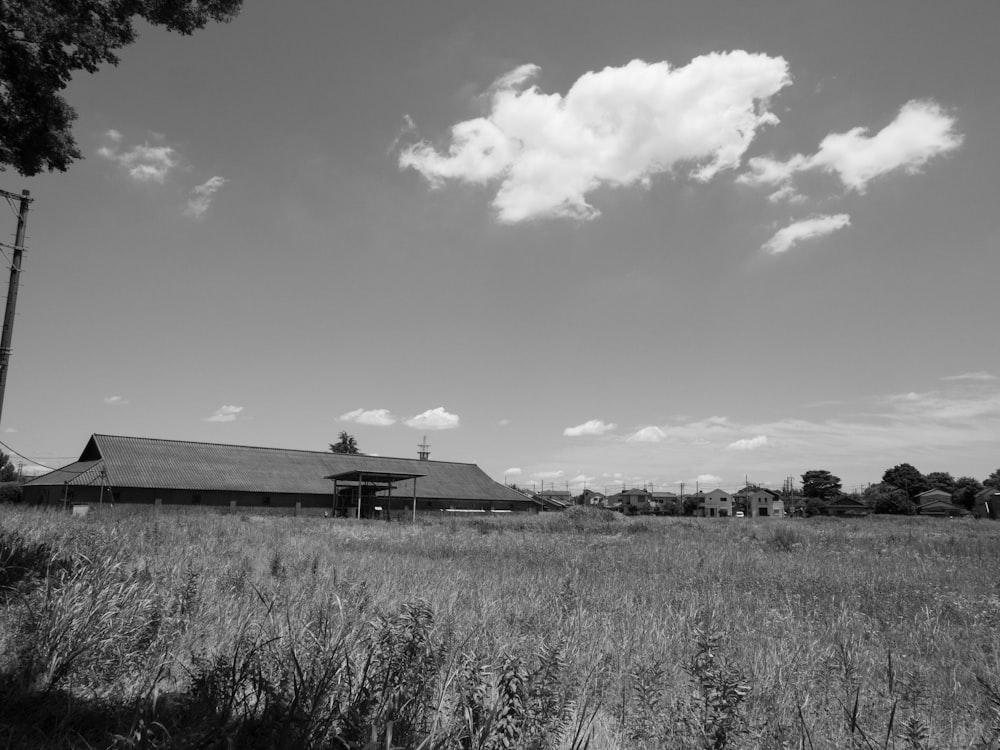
[[897, 492]]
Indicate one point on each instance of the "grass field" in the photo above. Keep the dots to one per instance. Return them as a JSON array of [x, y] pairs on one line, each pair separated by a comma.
[[574, 630]]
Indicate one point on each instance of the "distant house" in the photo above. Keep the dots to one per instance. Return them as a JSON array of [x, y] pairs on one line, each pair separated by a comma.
[[554, 499], [987, 503], [664, 502], [715, 504], [635, 501], [846, 506], [937, 502], [765, 503], [589, 497]]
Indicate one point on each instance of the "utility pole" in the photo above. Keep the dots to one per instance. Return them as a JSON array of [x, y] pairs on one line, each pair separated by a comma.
[[15, 277]]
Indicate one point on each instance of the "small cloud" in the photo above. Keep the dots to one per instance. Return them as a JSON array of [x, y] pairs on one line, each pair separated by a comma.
[[433, 419], [921, 131], [704, 479], [513, 471], [549, 474], [143, 163], [375, 417], [591, 427], [115, 401], [651, 434], [225, 414], [980, 377], [807, 229], [201, 196], [503, 422], [10, 430], [749, 444]]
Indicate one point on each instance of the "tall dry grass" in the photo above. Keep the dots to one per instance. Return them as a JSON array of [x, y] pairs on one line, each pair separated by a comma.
[[582, 629]]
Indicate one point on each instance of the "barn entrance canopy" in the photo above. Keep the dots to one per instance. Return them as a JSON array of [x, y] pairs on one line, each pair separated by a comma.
[[374, 481]]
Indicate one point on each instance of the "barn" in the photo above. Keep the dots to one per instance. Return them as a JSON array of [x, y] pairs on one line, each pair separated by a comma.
[[151, 471]]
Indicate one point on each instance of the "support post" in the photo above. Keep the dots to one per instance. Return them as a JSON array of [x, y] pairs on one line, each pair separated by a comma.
[[414, 499], [361, 483], [15, 276]]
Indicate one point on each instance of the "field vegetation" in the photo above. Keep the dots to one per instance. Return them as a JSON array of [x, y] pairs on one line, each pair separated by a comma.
[[578, 630]]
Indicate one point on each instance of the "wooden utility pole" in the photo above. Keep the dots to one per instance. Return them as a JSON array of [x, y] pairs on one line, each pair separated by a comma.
[[15, 277]]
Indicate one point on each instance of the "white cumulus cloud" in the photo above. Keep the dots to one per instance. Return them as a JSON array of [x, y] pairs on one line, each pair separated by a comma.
[[201, 196], [376, 417], [980, 376], [433, 419], [115, 400], [143, 163], [616, 127], [921, 131], [817, 226], [590, 427], [749, 444], [226, 413], [651, 434], [513, 471]]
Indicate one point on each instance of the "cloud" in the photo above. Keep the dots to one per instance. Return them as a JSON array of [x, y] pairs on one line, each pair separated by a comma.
[[225, 414], [143, 163], [981, 377], [921, 131], [513, 471], [591, 427], [115, 400], [817, 226], [651, 434], [503, 422], [614, 127], [749, 444], [433, 419], [549, 474], [376, 417], [703, 479], [201, 196]]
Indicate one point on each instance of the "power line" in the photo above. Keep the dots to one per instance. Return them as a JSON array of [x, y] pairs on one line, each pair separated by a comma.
[[21, 455]]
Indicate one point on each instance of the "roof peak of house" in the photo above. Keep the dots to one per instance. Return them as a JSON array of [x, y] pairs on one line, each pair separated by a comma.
[[97, 435]]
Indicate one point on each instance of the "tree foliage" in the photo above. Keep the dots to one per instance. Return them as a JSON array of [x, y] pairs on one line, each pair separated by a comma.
[[993, 480], [887, 498], [8, 473], [941, 480], [821, 484], [965, 492], [906, 478], [345, 444], [44, 42]]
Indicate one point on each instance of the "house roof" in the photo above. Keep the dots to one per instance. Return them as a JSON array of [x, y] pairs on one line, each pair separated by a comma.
[[158, 464]]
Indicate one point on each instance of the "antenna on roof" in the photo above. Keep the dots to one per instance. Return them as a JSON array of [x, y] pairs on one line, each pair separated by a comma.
[[424, 453]]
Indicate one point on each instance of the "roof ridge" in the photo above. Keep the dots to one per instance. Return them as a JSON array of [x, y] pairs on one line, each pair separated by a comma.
[[272, 448]]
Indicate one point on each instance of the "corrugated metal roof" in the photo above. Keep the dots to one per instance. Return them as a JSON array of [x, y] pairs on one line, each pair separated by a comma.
[[155, 463]]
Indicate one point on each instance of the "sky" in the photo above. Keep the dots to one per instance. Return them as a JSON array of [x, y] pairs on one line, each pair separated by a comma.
[[576, 243]]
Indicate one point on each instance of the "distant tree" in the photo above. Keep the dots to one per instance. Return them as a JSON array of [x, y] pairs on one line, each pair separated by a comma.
[[345, 444], [965, 492], [906, 478], [941, 480], [7, 471], [44, 42], [993, 480], [887, 498], [10, 493], [820, 484]]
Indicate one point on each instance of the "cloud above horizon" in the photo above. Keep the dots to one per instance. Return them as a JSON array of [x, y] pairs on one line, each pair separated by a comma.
[[615, 127], [433, 419], [374, 417], [590, 427], [142, 163], [201, 196], [225, 413], [749, 444], [807, 229], [921, 131], [115, 400]]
